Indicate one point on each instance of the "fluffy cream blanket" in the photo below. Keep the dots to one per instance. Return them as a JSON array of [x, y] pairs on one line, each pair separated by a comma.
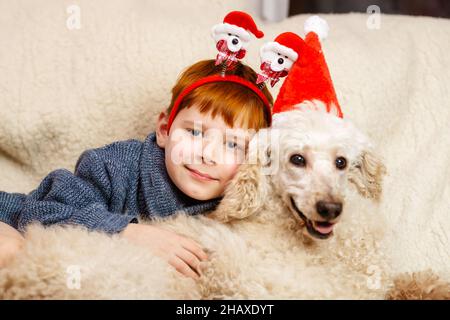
[[65, 90]]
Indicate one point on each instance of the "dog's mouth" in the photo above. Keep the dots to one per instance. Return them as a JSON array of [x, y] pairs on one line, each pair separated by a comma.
[[317, 229]]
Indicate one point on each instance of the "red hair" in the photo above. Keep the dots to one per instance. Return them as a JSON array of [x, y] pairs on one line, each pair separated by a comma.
[[236, 104]]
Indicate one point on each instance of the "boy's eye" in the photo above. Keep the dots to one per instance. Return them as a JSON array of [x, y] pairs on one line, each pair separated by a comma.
[[233, 145], [195, 132]]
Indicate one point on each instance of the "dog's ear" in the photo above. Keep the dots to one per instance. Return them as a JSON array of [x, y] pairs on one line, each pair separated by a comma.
[[367, 173], [247, 190], [243, 195]]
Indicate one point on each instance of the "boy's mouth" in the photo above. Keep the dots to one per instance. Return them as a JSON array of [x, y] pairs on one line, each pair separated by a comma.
[[200, 175]]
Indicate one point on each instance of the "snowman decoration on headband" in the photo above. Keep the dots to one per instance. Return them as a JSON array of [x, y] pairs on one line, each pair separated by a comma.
[[232, 38], [277, 57], [309, 83]]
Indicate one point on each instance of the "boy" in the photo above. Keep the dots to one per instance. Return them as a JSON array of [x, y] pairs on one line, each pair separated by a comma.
[[199, 142]]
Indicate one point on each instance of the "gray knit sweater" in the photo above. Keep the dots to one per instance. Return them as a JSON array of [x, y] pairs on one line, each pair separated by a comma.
[[110, 188]]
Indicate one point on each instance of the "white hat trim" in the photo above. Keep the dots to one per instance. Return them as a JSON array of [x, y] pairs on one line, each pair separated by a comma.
[[276, 47], [230, 28]]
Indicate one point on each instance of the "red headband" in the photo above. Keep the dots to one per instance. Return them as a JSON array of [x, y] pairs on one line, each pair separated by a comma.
[[219, 78]]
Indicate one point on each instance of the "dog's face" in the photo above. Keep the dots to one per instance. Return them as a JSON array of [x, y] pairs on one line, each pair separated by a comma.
[[310, 159], [307, 159]]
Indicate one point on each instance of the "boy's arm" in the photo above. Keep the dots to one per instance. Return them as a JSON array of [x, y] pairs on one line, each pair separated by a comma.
[[81, 198], [10, 206]]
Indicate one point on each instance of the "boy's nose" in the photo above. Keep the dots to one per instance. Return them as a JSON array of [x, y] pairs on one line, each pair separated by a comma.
[[208, 160], [209, 154]]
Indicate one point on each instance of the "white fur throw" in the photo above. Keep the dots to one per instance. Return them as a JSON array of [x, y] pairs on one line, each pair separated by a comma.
[[63, 91]]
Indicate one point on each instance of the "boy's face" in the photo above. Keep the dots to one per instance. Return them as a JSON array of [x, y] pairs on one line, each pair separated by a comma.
[[202, 154]]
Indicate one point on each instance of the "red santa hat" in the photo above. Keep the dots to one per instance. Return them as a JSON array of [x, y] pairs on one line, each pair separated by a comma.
[[309, 78], [240, 24]]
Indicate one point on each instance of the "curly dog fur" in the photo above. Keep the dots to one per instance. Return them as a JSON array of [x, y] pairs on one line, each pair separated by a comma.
[[266, 240]]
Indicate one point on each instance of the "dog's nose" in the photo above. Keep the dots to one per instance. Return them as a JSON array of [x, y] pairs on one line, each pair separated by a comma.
[[235, 41], [329, 210]]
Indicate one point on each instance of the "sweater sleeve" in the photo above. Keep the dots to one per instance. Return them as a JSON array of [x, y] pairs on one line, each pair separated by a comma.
[[81, 198], [10, 206]]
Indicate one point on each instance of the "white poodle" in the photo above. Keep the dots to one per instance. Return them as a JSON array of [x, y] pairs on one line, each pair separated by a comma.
[[288, 227]]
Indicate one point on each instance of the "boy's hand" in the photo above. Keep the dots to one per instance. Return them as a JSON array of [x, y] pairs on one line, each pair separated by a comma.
[[11, 242], [182, 253]]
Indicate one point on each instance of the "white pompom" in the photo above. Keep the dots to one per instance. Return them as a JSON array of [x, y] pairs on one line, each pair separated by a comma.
[[317, 25]]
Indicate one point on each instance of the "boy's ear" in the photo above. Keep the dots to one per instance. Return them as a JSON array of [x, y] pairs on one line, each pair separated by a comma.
[[162, 134]]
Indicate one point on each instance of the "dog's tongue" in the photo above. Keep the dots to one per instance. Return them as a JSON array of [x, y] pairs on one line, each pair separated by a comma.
[[323, 227]]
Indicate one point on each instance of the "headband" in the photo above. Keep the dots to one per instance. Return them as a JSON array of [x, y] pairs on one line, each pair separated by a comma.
[[219, 78], [232, 38]]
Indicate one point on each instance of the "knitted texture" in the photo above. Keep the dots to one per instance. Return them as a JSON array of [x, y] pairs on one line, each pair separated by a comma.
[[111, 187]]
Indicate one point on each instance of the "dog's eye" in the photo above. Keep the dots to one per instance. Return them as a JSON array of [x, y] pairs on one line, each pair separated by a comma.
[[341, 163], [298, 160]]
